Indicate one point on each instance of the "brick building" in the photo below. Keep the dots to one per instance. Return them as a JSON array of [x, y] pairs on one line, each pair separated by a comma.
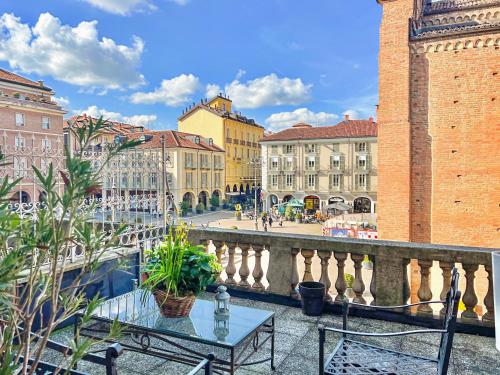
[[31, 133], [439, 118]]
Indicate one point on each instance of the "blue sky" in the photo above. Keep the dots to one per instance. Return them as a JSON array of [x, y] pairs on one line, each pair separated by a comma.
[[281, 61]]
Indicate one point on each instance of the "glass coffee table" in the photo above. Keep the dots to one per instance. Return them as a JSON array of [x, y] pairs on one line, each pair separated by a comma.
[[235, 341]]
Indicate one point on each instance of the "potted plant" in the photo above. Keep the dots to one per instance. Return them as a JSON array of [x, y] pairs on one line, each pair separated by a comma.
[[312, 297], [176, 272], [200, 208], [184, 208], [367, 263], [289, 214], [298, 217], [349, 280], [214, 202]]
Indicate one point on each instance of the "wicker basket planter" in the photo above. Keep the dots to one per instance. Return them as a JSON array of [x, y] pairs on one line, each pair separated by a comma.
[[173, 307]]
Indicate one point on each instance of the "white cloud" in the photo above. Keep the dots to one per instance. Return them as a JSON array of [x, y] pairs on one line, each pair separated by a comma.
[[172, 92], [279, 121], [74, 55], [241, 73], [62, 101], [353, 114], [144, 120], [212, 90], [122, 7], [359, 107], [95, 111], [269, 90]]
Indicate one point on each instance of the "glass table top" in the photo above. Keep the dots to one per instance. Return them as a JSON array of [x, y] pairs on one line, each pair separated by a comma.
[[201, 324]]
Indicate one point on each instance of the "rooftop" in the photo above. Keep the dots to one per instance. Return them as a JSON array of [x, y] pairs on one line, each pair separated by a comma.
[[115, 127], [344, 129], [10, 77], [175, 138], [297, 346]]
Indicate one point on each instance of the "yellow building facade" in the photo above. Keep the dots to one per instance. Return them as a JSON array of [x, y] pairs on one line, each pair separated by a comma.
[[237, 135]]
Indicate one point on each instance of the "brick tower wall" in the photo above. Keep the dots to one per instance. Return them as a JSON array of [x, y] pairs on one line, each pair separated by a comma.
[[393, 118], [455, 190]]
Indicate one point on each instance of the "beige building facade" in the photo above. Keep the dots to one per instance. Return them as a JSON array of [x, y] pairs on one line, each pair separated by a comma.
[[322, 165]]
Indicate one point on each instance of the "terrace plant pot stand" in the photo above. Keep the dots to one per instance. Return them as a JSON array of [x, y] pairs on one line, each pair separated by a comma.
[[355, 357], [234, 341]]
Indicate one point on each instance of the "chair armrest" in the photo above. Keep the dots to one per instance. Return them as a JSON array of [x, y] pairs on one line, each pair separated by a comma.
[[379, 334]]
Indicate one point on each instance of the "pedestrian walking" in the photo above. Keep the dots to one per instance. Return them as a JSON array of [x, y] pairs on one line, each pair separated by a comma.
[[264, 220], [281, 221], [270, 221]]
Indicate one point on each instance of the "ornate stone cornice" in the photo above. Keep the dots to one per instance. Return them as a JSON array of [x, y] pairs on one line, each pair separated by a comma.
[[454, 5]]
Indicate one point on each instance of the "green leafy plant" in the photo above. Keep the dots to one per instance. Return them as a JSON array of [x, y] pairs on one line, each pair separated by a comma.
[[200, 208], [298, 216], [289, 213], [214, 201], [179, 268], [184, 207], [35, 253], [349, 279]]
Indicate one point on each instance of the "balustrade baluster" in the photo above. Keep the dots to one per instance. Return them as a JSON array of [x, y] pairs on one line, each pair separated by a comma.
[[358, 286], [325, 256], [446, 268], [231, 266], [373, 282], [406, 283], [295, 275], [308, 255], [244, 270], [489, 316], [219, 250], [340, 284], [424, 292], [469, 298], [258, 273]]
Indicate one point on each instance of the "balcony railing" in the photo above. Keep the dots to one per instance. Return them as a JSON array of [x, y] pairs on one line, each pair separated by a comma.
[[274, 263]]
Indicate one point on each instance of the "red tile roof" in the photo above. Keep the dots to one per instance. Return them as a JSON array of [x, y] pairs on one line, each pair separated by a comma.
[[344, 129], [175, 139], [14, 78], [114, 126]]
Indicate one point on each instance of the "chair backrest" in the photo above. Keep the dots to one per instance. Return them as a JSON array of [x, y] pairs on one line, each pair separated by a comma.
[[449, 325]]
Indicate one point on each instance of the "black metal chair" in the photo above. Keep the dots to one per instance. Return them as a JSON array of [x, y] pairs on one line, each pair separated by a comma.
[[108, 361], [356, 357], [206, 365]]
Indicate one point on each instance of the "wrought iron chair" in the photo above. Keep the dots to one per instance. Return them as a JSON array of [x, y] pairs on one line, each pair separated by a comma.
[[108, 361], [356, 357]]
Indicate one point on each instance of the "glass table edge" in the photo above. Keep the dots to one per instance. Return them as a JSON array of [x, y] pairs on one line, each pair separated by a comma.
[[269, 317]]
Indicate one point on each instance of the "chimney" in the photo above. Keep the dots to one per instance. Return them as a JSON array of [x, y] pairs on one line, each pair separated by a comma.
[[346, 117], [40, 83]]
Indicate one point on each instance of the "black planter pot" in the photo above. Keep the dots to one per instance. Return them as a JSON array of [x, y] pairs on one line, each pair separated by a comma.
[[312, 297]]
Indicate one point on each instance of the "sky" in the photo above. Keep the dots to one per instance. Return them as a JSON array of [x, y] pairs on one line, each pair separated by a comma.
[[144, 61]]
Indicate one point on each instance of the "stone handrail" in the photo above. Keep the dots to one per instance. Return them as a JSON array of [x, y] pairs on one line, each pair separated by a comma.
[[389, 285]]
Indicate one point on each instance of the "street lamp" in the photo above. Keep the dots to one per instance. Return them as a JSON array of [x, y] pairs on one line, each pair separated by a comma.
[[255, 162]]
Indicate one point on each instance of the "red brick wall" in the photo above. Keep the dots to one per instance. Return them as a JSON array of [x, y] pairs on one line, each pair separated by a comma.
[[455, 140], [439, 122], [393, 118]]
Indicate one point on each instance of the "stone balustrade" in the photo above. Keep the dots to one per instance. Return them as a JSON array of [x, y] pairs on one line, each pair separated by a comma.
[[401, 272]]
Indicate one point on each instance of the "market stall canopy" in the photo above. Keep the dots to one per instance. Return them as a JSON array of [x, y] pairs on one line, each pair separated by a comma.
[[339, 206], [295, 203]]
